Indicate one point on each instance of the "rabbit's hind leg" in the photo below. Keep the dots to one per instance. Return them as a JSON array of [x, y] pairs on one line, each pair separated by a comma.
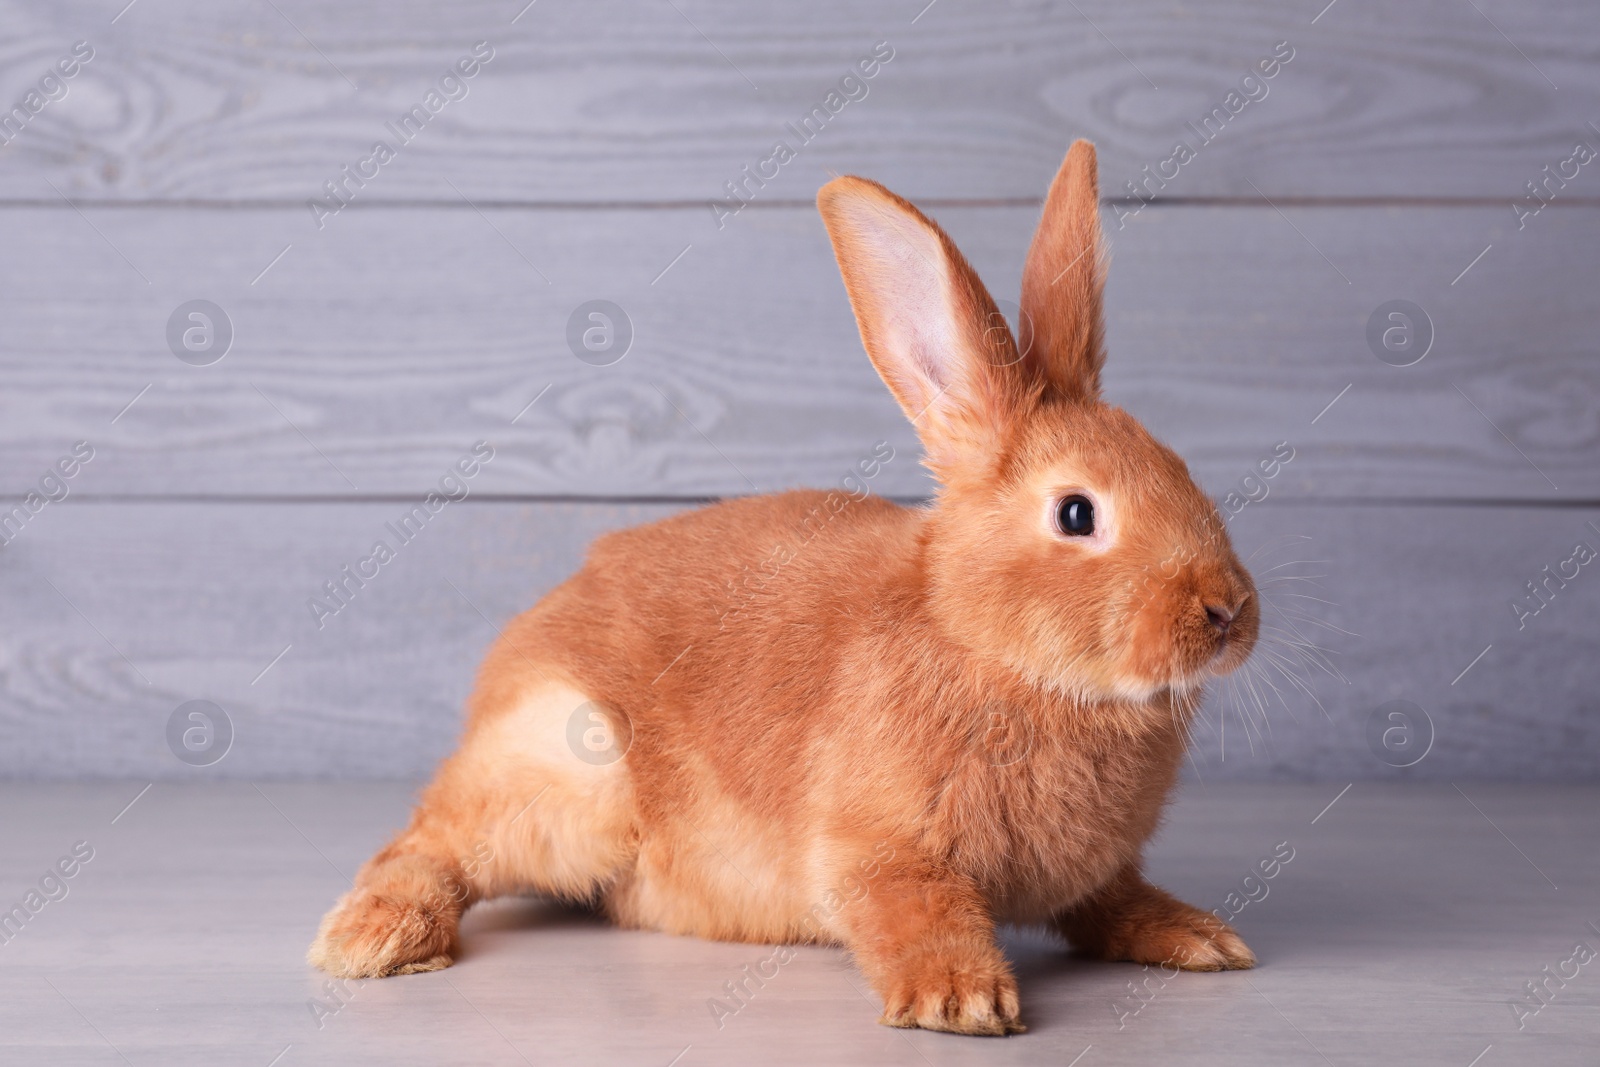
[[537, 799]]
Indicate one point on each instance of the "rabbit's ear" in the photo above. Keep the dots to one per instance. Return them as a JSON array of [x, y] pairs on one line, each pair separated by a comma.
[[926, 321], [1064, 279]]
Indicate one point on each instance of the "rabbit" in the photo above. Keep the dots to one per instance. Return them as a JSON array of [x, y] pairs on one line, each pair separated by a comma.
[[914, 724]]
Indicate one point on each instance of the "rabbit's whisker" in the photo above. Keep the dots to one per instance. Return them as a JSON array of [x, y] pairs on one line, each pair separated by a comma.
[[1303, 596], [1297, 563], [1283, 666], [1295, 615], [1288, 540], [1309, 579], [1312, 655]]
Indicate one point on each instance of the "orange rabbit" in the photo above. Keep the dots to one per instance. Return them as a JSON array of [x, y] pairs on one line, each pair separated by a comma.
[[812, 756]]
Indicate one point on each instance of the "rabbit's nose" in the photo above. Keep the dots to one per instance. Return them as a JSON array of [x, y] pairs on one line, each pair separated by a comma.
[[1222, 614]]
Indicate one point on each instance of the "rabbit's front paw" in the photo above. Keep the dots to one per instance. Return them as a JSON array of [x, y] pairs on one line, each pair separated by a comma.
[[952, 991]]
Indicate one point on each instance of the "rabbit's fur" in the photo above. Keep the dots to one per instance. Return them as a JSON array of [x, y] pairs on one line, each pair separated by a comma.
[[916, 723]]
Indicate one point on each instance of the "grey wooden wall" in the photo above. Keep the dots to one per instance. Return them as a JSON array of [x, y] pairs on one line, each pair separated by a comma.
[[373, 347]]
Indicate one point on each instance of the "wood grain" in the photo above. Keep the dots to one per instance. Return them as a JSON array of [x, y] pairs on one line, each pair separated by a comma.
[[638, 102], [374, 349], [367, 359], [113, 615]]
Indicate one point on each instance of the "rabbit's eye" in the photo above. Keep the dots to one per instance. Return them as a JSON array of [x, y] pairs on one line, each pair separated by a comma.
[[1076, 516]]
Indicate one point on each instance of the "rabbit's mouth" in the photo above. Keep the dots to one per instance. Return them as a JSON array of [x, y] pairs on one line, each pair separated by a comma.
[[1214, 649], [1181, 646], [1229, 655], [1234, 645]]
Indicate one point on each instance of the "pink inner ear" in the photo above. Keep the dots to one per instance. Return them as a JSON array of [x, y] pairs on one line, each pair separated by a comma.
[[904, 269], [919, 306]]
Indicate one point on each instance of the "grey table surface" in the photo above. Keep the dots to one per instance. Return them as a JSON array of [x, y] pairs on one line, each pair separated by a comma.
[[1408, 921]]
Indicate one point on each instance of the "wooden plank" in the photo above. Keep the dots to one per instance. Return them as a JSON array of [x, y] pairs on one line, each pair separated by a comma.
[[622, 101], [365, 361], [113, 962], [142, 956], [202, 600]]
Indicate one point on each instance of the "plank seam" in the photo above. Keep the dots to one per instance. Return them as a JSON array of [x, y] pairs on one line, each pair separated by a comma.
[[31, 203], [696, 500]]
